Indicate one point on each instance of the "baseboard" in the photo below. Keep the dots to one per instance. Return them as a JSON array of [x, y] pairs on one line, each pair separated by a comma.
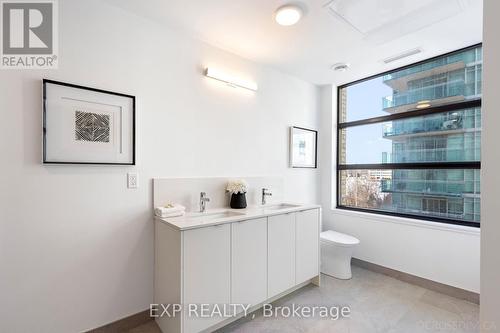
[[124, 324], [419, 281]]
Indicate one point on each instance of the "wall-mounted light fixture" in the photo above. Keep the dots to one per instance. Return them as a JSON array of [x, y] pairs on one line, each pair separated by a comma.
[[230, 80]]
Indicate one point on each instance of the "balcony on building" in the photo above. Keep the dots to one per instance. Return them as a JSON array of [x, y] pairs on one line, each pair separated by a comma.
[[399, 80], [425, 187], [438, 94], [468, 120]]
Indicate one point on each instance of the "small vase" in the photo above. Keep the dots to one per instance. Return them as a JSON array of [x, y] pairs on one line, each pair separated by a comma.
[[238, 200]]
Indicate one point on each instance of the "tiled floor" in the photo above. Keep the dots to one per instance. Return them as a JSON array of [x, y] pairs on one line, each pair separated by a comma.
[[378, 304]]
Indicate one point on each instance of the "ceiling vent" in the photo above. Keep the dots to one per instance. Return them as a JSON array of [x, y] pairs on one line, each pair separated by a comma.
[[341, 66], [403, 55], [385, 20]]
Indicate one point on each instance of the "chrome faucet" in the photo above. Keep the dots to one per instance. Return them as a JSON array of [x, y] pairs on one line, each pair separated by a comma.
[[265, 193], [203, 201]]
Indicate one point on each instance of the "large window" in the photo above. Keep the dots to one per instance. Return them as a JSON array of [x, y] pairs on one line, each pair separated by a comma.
[[409, 141]]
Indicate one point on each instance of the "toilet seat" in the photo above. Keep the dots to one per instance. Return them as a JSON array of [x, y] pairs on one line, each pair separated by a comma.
[[338, 238]]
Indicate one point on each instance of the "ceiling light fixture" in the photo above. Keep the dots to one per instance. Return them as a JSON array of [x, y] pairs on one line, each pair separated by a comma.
[[341, 67], [230, 80], [288, 15], [423, 104]]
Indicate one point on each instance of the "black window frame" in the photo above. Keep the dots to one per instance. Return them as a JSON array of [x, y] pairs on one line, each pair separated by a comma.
[[472, 103]]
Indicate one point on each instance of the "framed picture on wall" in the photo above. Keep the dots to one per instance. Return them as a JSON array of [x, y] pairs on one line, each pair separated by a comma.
[[303, 147], [83, 125]]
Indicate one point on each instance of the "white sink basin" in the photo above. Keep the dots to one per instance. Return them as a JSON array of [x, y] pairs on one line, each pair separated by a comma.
[[280, 206], [214, 215]]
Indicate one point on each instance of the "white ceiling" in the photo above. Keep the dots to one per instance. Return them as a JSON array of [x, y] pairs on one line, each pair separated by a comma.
[[308, 49]]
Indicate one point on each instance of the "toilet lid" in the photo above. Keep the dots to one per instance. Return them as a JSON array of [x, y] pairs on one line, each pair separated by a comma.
[[338, 238]]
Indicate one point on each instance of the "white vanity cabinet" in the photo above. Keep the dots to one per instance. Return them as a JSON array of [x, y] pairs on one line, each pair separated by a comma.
[[206, 258], [249, 262], [241, 261], [306, 245], [281, 253]]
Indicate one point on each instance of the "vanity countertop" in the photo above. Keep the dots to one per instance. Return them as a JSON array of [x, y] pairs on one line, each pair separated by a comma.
[[227, 215]]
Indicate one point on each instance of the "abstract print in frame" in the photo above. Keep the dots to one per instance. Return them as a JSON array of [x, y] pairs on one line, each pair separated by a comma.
[[303, 147], [83, 125]]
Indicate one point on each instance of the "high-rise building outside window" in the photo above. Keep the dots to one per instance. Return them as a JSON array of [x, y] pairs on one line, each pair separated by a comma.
[[409, 141]]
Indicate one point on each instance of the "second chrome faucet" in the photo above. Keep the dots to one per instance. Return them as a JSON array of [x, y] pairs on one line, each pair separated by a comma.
[[203, 201], [265, 193]]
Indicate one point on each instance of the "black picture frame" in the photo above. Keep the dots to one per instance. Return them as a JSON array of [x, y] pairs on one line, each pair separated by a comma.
[[44, 123], [315, 132]]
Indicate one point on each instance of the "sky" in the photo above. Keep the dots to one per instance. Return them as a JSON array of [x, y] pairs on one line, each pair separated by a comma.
[[365, 143]]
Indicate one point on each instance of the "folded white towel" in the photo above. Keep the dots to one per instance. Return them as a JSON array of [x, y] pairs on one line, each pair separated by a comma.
[[174, 214], [169, 209]]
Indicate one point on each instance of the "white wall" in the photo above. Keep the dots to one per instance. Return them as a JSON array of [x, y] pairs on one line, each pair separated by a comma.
[[76, 246], [449, 255], [490, 182]]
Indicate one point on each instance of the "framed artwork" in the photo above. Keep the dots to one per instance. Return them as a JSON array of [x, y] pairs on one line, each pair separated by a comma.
[[303, 147], [83, 125]]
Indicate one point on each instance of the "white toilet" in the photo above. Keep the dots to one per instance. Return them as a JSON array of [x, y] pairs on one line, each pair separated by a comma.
[[336, 253]]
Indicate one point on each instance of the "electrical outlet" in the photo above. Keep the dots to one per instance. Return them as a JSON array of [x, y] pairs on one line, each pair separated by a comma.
[[132, 180]]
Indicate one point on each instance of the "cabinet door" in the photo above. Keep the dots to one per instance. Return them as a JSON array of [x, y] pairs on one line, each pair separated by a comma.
[[281, 253], [307, 229], [206, 272], [249, 262]]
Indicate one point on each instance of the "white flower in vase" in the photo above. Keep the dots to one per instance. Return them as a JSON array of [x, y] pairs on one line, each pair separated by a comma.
[[237, 186]]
